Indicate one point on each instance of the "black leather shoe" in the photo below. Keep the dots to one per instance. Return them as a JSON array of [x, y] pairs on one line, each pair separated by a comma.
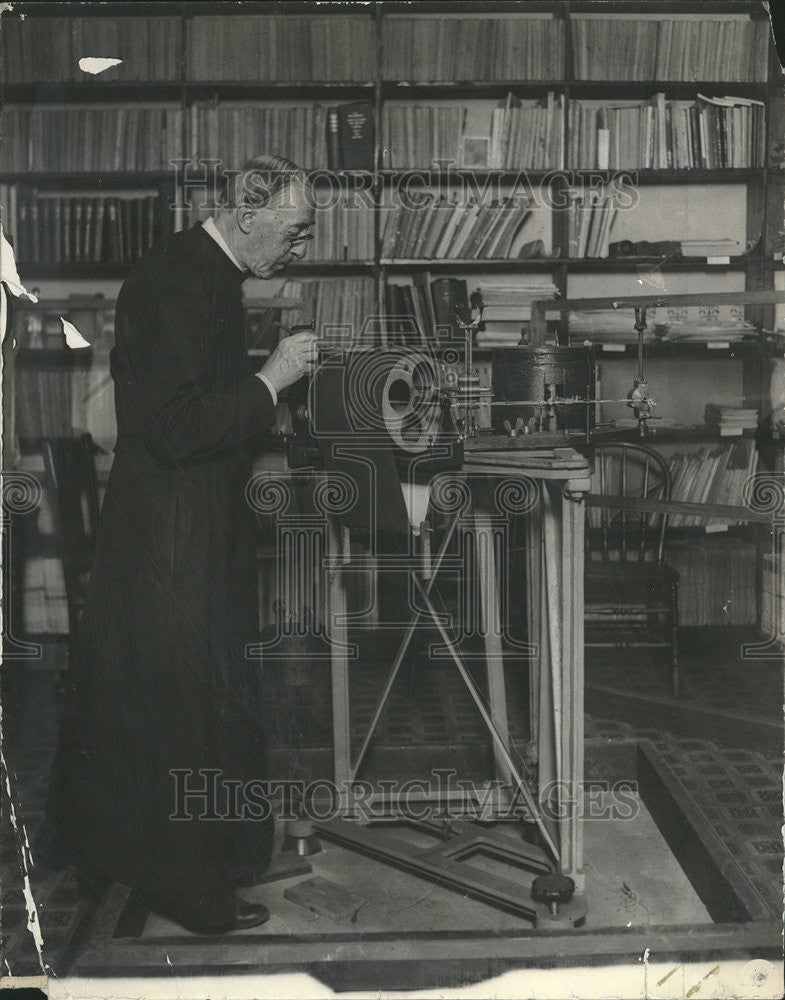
[[250, 914]]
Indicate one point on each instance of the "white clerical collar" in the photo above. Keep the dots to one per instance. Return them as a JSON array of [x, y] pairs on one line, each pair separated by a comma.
[[211, 229]]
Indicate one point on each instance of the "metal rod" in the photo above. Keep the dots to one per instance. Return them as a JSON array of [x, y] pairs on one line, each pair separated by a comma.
[[495, 734], [397, 662]]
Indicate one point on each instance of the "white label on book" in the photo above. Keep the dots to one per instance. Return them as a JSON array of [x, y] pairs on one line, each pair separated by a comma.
[[614, 347], [718, 260], [727, 432], [712, 529], [717, 345]]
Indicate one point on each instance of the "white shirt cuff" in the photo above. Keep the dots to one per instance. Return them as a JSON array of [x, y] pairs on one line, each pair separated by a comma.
[[269, 385]]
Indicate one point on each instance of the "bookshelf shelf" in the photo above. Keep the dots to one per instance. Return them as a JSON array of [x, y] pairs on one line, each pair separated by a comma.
[[80, 179], [726, 176], [92, 91], [716, 349], [673, 89], [604, 265], [404, 90], [108, 270], [272, 90], [524, 264], [699, 434], [339, 280]]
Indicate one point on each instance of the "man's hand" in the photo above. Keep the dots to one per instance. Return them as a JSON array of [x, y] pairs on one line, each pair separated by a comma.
[[293, 357]]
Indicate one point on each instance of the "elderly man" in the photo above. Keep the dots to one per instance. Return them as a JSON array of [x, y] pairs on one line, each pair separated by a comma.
[[161, 685]]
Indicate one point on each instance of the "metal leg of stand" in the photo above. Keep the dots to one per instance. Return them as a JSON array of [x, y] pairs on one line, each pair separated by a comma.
[[399, 656], [339, 659], [491, 628], [499, 742]]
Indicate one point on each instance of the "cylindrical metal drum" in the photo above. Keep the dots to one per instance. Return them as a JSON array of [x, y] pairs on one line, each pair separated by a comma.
[[539, 375]]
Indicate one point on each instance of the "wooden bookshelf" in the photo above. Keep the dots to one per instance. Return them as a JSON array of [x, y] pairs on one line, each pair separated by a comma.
[[758, 269]]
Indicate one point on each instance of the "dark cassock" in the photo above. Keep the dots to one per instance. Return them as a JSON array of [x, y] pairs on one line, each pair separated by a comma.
[[160, 681]]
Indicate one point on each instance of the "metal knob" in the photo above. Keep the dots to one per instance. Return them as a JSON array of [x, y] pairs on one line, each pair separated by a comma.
[[553, 889]]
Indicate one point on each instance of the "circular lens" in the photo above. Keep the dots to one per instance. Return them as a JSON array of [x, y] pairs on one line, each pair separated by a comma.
[[399, 394]]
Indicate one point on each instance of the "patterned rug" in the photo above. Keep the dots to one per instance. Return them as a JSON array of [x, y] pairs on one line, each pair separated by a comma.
[[739, 791]]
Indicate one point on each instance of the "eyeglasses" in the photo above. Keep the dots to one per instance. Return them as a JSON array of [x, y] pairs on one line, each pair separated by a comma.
[[299, 241]]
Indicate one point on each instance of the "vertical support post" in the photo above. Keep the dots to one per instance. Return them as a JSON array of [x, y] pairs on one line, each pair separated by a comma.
[[491, 629], [572, 765], [335, 620]]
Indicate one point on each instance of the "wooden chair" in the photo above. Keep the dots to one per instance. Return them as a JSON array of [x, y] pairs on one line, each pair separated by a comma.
[[631, 596], [70, 467]]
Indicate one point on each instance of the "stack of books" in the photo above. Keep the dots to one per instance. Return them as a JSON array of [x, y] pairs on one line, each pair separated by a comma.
[[710, 133], [119, 138], [507, 311], [280, 48], [687, 324], [470, 48], [528, 136], [702, 324], [731, 421], [706, 48], [438, 228], [603, 326]]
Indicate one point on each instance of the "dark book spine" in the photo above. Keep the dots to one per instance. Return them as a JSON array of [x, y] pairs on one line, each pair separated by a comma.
[[355, 127], [333, 140]]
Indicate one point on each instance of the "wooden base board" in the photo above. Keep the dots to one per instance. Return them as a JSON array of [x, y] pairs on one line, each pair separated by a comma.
[[745, 930]]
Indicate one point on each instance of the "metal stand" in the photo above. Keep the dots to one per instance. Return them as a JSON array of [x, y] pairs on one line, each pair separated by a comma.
[[556, 618]]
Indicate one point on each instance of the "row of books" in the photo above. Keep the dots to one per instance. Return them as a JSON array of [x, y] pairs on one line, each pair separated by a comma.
[[523, 136], [439, 229], [472, 48], [716, 581], [416, 136], [704, 48], [710, 133], [343, 230], [341, 48], [119, 137], [591, 219], [234, 133], [60, 229], [527, 137], [280, 48], [711, 476], [339, 307], [43, 49]]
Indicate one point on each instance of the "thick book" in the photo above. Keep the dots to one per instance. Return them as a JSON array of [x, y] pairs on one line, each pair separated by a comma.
[[333, 140], [356, 135]]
